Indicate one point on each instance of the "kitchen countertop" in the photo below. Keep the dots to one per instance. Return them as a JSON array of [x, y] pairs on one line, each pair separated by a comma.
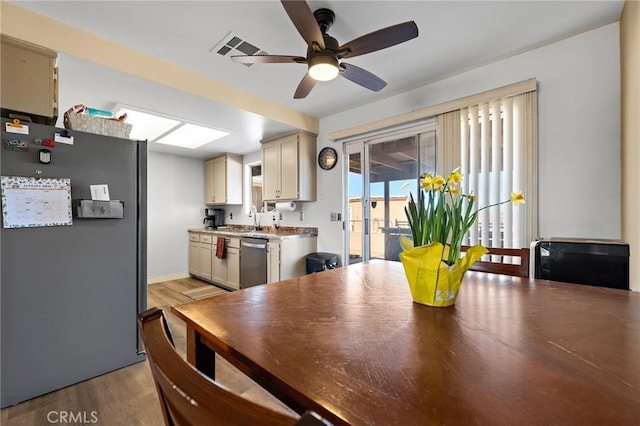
[[284, 232]]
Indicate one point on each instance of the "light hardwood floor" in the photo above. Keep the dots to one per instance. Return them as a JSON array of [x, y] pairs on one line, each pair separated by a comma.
[[128, 396]]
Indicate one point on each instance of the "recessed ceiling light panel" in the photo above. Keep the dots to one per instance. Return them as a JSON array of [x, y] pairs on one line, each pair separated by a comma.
[[148, 126], [192, 136], [166, 130]]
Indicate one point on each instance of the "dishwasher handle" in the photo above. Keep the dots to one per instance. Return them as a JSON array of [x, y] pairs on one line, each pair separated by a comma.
[[253, 245]]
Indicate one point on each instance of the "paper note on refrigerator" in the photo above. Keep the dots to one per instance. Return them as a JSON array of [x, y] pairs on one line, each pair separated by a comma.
[[99, 192]]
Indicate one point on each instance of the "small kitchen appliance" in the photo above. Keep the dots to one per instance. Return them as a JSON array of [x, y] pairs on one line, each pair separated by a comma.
[[213, 218]]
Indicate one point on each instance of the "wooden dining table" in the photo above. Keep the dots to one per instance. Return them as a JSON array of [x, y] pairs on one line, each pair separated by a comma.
[[351, 344]]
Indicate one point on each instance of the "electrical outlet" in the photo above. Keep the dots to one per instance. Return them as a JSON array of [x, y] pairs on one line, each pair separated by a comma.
[[280, 215], [230, 215], [301, 215], [339, 217]]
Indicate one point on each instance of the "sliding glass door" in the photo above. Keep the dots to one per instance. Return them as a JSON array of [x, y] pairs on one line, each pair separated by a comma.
[[355, 204], [380, 175]]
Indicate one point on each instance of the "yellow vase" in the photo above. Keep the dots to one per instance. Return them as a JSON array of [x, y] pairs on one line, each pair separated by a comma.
[[432, 281]]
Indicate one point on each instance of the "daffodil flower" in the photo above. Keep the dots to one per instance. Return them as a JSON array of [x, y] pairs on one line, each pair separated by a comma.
[[517, 198], [435, 218], [455, 177], [438, 182], [427, 181]]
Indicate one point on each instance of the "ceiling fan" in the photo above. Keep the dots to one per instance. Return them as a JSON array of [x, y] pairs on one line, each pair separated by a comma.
[[324, 54]]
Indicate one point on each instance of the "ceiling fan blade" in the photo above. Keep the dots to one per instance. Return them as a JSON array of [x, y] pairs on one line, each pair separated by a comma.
[[268, 59], [304, 21], [304, 87], [378, 40], [362, 77]]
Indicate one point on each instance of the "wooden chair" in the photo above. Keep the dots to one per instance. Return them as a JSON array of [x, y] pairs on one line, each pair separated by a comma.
[[188, 397], [521, 270]]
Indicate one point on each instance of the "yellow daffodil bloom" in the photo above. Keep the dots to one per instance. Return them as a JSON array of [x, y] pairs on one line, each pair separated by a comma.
[[438, 182], [427, 181], [455, 177], [433, 209], [517, 198]]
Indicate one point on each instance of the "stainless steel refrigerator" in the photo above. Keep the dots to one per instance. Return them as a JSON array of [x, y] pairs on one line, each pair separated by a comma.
[[69, 295]]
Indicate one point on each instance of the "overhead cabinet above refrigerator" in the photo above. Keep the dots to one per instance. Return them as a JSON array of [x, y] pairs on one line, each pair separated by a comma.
[[29, 81]]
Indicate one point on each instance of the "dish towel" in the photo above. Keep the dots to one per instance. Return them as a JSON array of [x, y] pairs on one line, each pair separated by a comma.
[[220, 252]]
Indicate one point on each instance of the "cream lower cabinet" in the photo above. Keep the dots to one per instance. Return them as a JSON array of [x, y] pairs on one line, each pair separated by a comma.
[[226, 271], [287, 257], [200, 255], [273, 261], [233, 264], [218, 266]]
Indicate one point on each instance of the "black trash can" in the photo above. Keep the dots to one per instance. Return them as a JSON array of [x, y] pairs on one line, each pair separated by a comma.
[[317, 262]]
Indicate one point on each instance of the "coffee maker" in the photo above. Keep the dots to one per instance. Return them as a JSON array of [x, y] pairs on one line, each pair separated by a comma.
[[213, 218]]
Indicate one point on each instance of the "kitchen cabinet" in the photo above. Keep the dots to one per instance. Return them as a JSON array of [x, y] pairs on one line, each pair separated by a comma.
[[287, 257], [288, 168], [233, 263], [200, 255], [29, 80], [223, 180], [208, 182], [227, 271], [218, 266], [273, 261]]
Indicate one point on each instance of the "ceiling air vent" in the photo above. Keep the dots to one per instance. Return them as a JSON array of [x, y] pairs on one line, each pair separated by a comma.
[[232, 45]]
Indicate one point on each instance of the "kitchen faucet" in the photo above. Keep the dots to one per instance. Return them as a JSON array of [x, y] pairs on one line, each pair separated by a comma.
[[254, 213]]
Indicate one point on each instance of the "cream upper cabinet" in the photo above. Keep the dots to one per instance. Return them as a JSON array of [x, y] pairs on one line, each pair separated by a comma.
[[223, 180], [29, 79], [208, 182], [270, 171], [288, 168]]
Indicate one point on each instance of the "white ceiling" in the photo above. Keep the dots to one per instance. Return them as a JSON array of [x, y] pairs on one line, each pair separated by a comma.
[[454, 36]]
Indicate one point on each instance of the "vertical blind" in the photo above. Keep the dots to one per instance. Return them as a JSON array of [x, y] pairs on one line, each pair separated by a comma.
[[497, 142]]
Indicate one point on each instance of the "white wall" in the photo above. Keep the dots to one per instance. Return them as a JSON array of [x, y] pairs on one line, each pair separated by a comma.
[[176, 203], [578, 133], [579, 151]]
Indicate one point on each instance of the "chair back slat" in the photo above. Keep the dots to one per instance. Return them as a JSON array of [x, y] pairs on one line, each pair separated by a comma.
[[517, 270]]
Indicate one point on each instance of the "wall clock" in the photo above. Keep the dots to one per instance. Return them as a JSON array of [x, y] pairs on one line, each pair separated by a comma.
[[327, 158]]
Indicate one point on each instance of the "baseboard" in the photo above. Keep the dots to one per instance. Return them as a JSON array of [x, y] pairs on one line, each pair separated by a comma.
[[156, 280]]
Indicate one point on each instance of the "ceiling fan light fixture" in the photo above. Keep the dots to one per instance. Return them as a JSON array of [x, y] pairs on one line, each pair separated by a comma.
[[323, 67]]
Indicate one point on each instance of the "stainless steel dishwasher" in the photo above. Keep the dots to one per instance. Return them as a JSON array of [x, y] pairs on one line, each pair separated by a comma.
[[253, 262]]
